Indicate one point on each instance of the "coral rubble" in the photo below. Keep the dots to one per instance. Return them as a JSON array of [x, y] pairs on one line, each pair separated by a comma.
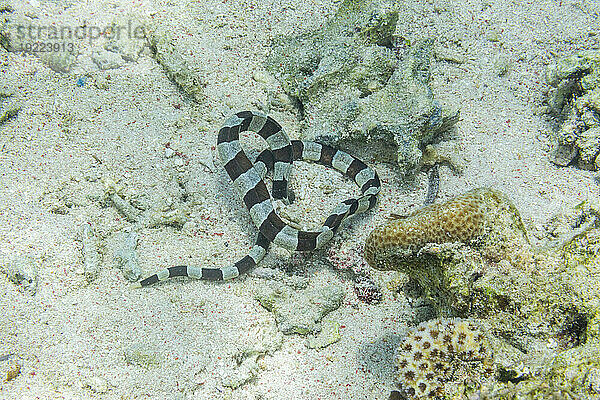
[[9, 107], [22, 271], [91, 255], [353, 84], [186, 76], [127, 258], [300, 311], [574, 100]]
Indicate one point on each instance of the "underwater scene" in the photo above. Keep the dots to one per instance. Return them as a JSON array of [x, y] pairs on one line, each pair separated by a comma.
[[288, 199]]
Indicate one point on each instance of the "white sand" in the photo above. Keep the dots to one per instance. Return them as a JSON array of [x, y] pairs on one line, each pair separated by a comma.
[[72, 335]]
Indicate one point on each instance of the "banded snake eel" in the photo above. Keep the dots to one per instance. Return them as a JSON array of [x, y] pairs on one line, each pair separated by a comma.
[[248, 178]]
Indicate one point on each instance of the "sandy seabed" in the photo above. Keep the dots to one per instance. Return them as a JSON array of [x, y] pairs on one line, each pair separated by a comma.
[[73, 338]]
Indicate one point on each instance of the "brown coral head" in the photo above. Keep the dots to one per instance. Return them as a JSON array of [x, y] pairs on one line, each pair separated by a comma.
[[461, 219]]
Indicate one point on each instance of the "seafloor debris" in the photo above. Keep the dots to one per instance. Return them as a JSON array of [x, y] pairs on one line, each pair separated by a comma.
[[574, 100], [91, 255], [10, 366], [330, 333], [112, 192], [186, 76], [346, 255], [144, 355], [127, 258], [300, 311], [9, 107], [5, 10], [176, 216], [262, 338], [241, 375], [128, 46], [105, 59], [53, 51], [441, 353], [367, 290], [13, 371], [446, 152], [97, 384], [22, 271], [352, 85], [141, 214]]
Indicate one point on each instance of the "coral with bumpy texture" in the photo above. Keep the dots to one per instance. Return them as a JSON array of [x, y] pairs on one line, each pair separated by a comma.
[[445, 249], [458, 220], [434, 351]]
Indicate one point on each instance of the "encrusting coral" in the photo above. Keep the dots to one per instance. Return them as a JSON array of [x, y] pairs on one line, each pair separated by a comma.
[[433, 353], [471, 257], [459, 219]]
